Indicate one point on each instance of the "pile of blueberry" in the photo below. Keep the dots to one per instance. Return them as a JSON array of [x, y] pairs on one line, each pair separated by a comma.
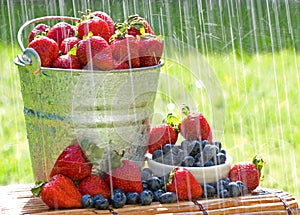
[[224, 188], [191, 154], [154, 190]]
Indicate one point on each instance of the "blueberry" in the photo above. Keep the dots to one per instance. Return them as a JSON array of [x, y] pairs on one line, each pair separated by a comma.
[[223, 151], [218, 144], [208, 190], [209, 152], [219, 185], [198, 164], [224, 193], [225, 181], [102, 204], [154, 183], [167, 148], [233, 189], [195, 148], [132, 198], [98, 196], [146, 173], [118, 198], [157, 194], [242, 187], [171, 159], [145, 185], [209, 163], [204, 143], [188, 161], [87, 201], [157, 154], [185, 146], [221, 158], [146, 197], [168, 197], [198, 157]]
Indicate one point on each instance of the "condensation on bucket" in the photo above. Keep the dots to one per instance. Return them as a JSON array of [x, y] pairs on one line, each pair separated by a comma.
[[108, 109]]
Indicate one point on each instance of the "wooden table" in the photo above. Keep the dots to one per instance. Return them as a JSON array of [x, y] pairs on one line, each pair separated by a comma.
[[17, 199]]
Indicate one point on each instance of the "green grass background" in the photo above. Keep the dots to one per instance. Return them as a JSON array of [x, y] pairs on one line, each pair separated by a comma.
[[258, 74]]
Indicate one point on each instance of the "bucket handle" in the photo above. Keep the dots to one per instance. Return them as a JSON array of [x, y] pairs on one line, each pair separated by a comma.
[[41, 19], [30, 58]]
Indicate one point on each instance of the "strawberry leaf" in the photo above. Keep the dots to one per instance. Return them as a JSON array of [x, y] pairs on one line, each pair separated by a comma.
[[36, 190], [259, 163], [173, 121], [73, 50], [142, 30], [185, 110]]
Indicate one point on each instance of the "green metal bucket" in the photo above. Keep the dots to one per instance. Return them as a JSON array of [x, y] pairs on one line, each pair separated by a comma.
[[105, 110]]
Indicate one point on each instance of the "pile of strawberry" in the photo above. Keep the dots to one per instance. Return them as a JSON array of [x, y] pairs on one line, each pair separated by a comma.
[[97, 42], [73, 185]]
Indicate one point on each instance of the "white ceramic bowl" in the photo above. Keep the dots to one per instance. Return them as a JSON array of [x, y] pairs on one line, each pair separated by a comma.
[[202, 174]]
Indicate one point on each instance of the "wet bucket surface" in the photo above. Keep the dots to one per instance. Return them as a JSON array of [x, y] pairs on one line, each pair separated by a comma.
[[109, 109]]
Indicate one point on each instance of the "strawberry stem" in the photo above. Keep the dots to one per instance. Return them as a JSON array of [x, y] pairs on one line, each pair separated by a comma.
[[36, 190]]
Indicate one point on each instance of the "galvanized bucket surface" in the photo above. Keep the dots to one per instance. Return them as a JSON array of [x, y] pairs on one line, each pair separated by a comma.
[[105, 110]]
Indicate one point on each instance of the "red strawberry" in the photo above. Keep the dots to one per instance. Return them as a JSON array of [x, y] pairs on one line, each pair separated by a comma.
[[125, 49], [160, 136], [60, 31], [247, 172], [95, 25], [150, 50], [68, 43], [195, 127], [122, 65], [93, 185], [95, 50], [184, 184], [137, 23], [46, 48], [38, 30], [106, 18], [126, 177], [72, 163], [60, 192], [67, 62]]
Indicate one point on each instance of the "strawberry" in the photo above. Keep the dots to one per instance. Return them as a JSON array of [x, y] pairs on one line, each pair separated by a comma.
[[40, 29], [138, 26], [68, 43], [60, 31], [96, 51], [126, 177], [72, 163], [184, 184], [46, 48], [125, 48], [67, 62], [247, 172], [150, 50], [106, 18], [195, 127], [121, 65], [95, 25], [60, 192], [160, 136], [93, 185]]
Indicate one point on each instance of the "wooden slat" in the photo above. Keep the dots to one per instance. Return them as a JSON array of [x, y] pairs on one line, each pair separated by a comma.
[[17, 199]]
